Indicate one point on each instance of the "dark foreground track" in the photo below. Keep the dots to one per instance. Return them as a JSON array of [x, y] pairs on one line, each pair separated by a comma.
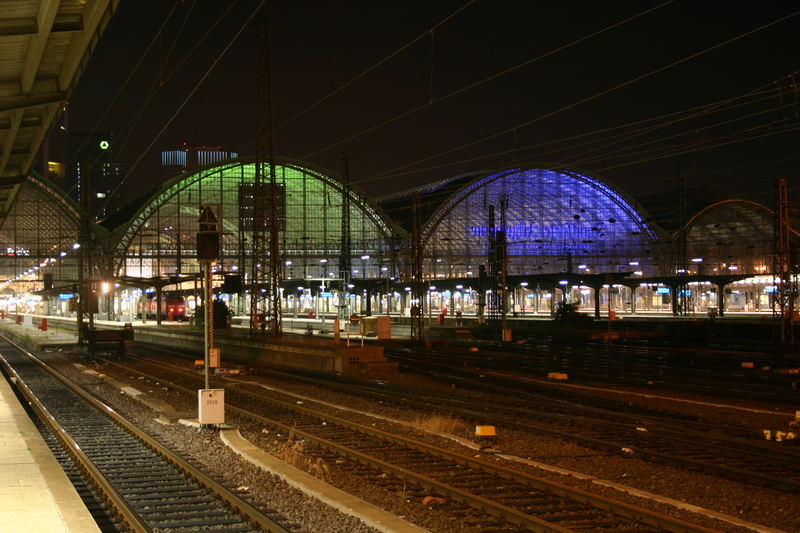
[[153, 489]]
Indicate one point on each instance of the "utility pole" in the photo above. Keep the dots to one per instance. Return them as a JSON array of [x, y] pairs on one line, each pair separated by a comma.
[[210, 402], [417, 289], [345, 252], [208, 246], [86, 295], [681, 297], [785, 280], [268, 209], [493, 274], [502, 259]]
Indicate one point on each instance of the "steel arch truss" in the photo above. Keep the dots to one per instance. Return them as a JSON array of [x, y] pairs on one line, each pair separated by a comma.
[[732, 237], [552, 220], [160, 239], [37, 237]]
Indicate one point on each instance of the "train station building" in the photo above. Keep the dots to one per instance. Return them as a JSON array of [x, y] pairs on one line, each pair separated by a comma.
[[548, 236]]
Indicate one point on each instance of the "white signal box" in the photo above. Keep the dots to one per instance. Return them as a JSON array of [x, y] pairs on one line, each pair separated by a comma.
[[211, 406]]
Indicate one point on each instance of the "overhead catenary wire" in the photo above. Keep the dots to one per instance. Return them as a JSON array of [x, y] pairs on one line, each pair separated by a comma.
[[596, 95], [185, 101], [426, 33], [483, 81], [761, 94], [693, 149], [629, 151], [767, 89], [160, 81], [122, 87], [678, 150], [676, 117]]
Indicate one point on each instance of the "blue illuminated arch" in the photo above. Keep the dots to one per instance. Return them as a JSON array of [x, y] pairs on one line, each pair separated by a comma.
[[552, 218]]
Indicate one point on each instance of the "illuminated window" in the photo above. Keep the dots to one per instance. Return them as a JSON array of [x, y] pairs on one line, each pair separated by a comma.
[[55, 168]]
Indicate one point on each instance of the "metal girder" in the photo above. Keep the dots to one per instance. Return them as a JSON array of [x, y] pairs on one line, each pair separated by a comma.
[[95, 18], [48, 114], [38, 43], [21, 102], [11, 27], [15, 119]]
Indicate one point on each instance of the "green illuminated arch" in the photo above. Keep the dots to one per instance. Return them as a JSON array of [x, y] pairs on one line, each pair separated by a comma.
[[160, 238]]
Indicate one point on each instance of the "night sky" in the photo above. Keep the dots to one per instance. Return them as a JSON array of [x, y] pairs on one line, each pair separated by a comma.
[[319, 46]]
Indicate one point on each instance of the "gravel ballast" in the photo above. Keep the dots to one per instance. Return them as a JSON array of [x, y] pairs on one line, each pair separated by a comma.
[[763, 506]]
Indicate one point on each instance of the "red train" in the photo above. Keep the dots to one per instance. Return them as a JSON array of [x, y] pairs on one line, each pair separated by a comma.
[[173, 307]]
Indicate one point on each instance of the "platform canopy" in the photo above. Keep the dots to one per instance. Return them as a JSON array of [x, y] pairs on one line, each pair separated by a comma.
[[44, 46]]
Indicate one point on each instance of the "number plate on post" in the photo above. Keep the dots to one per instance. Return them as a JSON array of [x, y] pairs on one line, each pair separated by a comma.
[[211, 406]]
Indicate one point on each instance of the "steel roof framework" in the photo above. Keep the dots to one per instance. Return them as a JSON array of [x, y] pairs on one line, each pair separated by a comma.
[[37, 238], [44, 45], [732, 237], [554, 219], [160, 239]]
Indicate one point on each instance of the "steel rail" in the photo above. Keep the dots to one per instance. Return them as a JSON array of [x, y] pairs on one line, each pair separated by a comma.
[[112, 496], [257, 517], [733, 472], [730, 472], [599, 502]]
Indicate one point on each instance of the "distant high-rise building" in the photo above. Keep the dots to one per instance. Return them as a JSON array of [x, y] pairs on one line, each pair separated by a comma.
[[65, 156], [52, 162], [186, 157], [96, 152]]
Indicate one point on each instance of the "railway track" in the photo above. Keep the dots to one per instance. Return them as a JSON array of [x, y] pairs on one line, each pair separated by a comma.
[[708, 372], [149, 487], [730, 451], [520, 499]]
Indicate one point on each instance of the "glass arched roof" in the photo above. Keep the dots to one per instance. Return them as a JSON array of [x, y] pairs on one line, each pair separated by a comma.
[[160, 239], [552, 218]]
